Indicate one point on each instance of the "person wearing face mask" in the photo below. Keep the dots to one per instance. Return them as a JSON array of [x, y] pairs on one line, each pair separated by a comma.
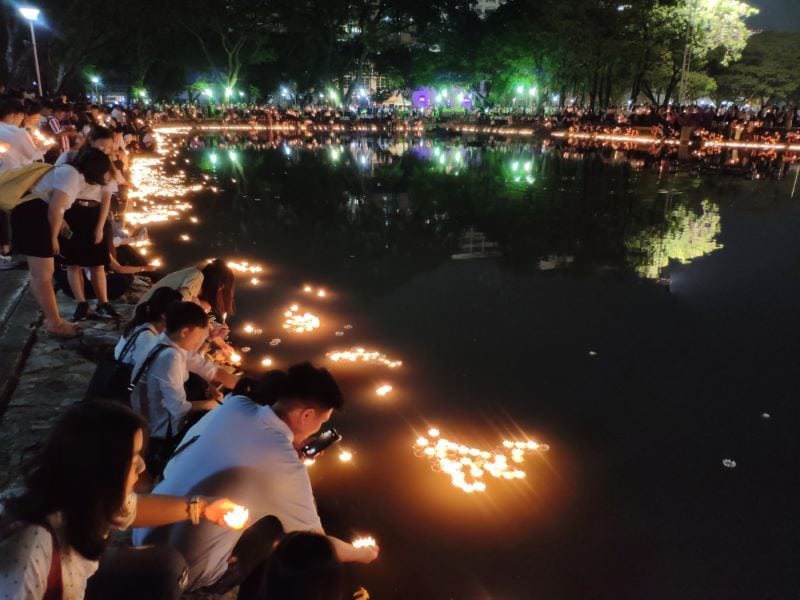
[[87, 248], [159, 376], [54, 532]]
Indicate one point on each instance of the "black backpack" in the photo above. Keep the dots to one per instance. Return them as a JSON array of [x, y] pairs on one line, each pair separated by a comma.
[[112, 377]]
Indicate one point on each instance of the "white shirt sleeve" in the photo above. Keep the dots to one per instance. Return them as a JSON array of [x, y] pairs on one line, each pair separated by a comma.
[[166, 370], [24, 145], [25, 558], [201, 365]]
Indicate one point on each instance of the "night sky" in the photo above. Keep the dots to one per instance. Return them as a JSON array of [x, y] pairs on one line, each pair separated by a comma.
[[776, 15]]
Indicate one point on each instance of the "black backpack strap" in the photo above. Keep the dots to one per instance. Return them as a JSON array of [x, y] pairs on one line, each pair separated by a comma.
[[132, 340], [146, 365]]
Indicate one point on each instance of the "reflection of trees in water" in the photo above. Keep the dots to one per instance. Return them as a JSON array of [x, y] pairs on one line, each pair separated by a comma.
[[387, 220], [685, 235]]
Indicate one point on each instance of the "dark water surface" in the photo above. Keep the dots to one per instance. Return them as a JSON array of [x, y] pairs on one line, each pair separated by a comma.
[[632, 500]]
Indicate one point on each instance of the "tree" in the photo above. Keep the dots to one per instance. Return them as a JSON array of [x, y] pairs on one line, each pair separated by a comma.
[[767, 72]]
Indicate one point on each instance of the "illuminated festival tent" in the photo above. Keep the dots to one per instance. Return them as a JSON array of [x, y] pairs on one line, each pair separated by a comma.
[[396, 101]]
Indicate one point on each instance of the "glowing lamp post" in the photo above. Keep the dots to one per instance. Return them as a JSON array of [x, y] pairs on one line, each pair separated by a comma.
[[31, 15], [95, 81]]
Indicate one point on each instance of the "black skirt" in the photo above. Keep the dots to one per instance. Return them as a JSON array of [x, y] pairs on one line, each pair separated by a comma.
[[30, 230], [80, 250]]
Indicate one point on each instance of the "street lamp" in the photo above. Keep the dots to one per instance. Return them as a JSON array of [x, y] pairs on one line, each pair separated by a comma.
[[32, 14], [95, 80]]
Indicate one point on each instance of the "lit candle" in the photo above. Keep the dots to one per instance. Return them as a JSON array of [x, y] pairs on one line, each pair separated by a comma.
[[266, 361], [237, 517], [345, 456], [364, 542], [383, 390]]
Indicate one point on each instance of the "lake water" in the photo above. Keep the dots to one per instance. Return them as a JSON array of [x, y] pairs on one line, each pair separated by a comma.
[[643, 324]]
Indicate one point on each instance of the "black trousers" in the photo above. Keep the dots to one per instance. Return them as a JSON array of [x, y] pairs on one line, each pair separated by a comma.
[[152, 572], [248, 567]]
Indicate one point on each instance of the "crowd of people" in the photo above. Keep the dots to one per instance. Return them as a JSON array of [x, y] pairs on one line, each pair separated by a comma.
[[170, 438]]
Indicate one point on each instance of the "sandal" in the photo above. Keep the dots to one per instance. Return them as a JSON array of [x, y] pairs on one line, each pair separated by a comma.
[[64, 331]]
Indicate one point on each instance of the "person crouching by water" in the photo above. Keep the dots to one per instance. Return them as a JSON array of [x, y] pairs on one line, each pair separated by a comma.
[[212, 287], [142, 332], [160, 374], [248, 449], [36, 225], [54, 535]]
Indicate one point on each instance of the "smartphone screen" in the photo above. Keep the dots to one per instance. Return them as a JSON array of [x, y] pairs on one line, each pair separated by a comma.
[[321, 441]]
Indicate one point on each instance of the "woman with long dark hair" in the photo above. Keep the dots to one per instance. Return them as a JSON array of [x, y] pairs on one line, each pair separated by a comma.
[[54, 535], [212, 287]]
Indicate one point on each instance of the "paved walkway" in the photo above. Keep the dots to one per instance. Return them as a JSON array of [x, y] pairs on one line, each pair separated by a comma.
[[40, 375]]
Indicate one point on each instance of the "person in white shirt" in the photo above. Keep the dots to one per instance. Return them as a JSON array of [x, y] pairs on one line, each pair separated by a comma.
[[142, 333], [37, 223], [159, 379], [248, 450], [88, 247], [22, 150], [54, 532]]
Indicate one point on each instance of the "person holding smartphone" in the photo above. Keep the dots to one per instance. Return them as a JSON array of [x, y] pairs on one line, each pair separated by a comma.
[[248, 449]]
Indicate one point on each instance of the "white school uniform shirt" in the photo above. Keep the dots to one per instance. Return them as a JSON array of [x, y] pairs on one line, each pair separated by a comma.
[[251, 445], [159, 396], [145, 341], [26, 555], [22, 150], [63, 178], [88, 191]]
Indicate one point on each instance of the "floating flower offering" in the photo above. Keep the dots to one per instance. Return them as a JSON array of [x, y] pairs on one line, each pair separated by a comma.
[[467, 466], [156, 196], [185, 237], [362, 355], [244, 267], [383, 390], [266, 361], [251, 329], [320, 292], [300, 323], [237, 517], [364, 542]]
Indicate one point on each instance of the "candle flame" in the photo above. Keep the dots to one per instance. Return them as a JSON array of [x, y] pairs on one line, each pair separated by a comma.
[[362, 355], [383, 390], [237, 517], [467, 466], [364, 542]]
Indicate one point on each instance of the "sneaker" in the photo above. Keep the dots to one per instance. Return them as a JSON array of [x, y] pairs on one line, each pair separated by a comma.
[[81, 311], [6, 262], [106, 310]]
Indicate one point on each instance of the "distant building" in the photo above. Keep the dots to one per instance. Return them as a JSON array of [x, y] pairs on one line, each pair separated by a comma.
[[484, 7]]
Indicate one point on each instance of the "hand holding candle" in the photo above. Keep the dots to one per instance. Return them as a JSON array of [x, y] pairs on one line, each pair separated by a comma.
[[367, 549], [226, 513]]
